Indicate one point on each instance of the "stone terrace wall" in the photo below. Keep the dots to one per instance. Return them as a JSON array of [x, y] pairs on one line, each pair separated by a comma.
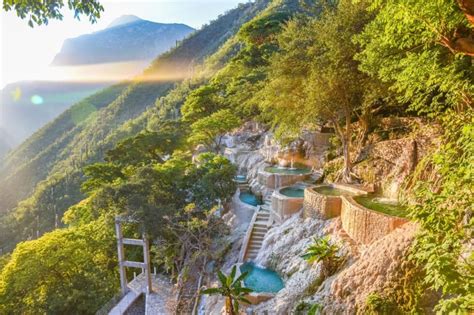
[[364, 225], [317, 205], [285, 206], [273, 181]]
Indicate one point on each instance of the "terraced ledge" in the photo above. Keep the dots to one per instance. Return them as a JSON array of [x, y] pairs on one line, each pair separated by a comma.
[[318, 205], [364, 225]]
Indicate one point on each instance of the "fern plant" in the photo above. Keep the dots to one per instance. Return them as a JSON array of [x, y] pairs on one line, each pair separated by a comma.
[[324, 252]]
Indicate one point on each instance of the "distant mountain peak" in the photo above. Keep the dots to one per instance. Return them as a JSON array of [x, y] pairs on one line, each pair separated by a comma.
[[128, 38], [124, 19]]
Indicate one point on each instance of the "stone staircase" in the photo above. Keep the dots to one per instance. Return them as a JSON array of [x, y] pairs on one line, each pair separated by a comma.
[[243, 185], [259, 229]]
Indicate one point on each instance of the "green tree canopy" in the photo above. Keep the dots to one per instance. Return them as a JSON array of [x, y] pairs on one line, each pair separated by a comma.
[[210, 130], [45, 276], [315, 79], [39, 12], [413, 46], [202, 102], [213, 180]]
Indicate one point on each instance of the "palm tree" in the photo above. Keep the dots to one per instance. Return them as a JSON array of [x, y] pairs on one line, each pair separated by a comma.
[[231, 289]]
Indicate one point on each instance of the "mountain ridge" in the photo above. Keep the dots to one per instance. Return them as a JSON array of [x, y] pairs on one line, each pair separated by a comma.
[[125, 41]]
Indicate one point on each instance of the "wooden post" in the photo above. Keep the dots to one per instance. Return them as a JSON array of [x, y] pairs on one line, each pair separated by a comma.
[[121, 256], [146, 261]]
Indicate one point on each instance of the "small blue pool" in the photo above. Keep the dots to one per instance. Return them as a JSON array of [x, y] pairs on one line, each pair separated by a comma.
[[240, 178], [261, 279], [293, 191], [250, 199]]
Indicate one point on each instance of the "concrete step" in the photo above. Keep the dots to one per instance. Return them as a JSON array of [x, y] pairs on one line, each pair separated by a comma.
[[255, 245], [253, 252]]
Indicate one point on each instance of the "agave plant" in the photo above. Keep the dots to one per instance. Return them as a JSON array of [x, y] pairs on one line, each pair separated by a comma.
[[231, 288]]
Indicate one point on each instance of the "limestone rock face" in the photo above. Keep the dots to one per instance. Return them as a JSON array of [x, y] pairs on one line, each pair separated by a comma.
[[388, 163], [366, 269], [281, 252], [375, 268]]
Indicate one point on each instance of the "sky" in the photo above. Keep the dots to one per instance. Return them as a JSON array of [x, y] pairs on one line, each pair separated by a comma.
[[25, 52]]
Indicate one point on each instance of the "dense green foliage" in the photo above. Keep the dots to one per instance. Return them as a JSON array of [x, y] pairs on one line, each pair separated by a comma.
[[444, 209], [314, 79], [43, 176], [209, 130], [40, 12], [44, 276], [405, 46]]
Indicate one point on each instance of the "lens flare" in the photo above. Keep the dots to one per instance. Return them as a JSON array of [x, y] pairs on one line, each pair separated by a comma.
[[36, 99], [16, 94]]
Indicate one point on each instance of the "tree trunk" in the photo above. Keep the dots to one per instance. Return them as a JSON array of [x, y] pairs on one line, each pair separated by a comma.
[[229, 306], [346, 146], [344, 136]]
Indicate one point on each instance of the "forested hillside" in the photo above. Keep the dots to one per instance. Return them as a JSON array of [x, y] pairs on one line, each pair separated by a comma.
[[374, 73], [46, 171]]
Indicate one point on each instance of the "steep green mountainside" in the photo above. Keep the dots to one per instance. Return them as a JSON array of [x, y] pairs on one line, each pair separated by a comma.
[[46, 171]]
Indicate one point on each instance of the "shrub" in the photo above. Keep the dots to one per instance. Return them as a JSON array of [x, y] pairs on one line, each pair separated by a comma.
[[377, 304], [306, 308]]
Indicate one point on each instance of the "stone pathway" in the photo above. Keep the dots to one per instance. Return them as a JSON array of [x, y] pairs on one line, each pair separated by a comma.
[[125, 303], [161, 301]]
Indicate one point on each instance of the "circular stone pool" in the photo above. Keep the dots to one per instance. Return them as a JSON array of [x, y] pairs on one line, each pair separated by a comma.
[[261, 279], [332, 191], [382, 205], [293, 191], [250, 199], [287, 170]]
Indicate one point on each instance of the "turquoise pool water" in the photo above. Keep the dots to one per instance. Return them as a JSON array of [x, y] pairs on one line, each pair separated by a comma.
[[286, 170], [261, 279], [293, 191], [240, 178], [250, 198]]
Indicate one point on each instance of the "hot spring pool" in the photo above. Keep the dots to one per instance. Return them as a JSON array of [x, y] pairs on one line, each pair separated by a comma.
[[293, 191], [250, 199], [332, 191], [380, 205], [287, 170], [240, 178], [261, 279]]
